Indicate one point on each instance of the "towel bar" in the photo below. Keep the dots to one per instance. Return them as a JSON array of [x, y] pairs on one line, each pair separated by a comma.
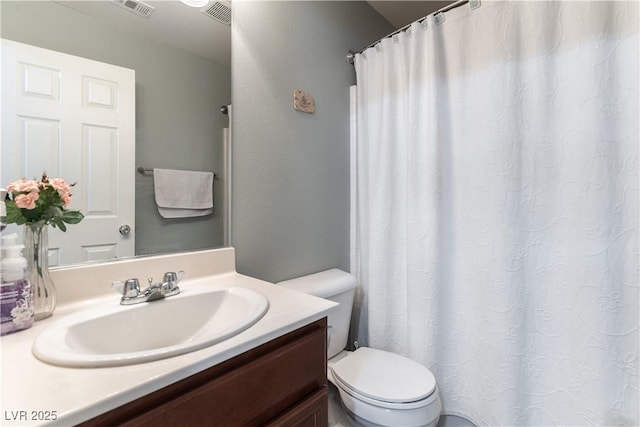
[[142, 171]]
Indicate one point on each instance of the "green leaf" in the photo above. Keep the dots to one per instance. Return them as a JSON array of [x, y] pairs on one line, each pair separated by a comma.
[[14, 213], [53, 212], [60, 224], [30, 215], [72, 217]]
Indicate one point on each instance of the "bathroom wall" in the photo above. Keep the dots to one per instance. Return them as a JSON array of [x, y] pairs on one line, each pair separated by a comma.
[[291, 169], [178, 125]]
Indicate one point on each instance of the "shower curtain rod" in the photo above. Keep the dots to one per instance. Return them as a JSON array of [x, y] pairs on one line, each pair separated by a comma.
[[351, 55]]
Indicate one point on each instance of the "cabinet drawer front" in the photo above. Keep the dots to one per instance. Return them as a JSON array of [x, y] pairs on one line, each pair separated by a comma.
[[251, 394], [311, 412]]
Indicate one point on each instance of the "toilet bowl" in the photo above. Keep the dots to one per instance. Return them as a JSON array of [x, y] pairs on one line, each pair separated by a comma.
[[376, 387], [382, 388]]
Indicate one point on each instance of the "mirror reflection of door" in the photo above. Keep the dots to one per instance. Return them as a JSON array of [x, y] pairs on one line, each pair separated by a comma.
[[73, 118]]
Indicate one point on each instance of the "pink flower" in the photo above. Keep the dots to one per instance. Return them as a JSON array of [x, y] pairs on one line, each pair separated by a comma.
[[63, 189], [23, 186], [27, 201], [66, 199], [43, 201], [60, 186]]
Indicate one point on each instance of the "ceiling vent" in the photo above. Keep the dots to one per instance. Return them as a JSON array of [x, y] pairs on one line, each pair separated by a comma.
[[136, 6], [219, 11]]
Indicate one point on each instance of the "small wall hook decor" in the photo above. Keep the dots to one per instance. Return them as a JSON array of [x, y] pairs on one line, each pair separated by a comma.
[[303, 101]]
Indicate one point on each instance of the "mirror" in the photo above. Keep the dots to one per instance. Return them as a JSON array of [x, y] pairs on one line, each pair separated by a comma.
[[182, 61]]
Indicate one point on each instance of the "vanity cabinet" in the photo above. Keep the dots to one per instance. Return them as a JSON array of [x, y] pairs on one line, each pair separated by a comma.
[[280, 383]]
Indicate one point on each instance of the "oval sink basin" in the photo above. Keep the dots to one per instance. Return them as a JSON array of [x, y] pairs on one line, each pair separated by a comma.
[[114, 334]]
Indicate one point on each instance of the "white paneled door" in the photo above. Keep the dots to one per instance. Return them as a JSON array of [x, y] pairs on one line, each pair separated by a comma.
[[75, 119]]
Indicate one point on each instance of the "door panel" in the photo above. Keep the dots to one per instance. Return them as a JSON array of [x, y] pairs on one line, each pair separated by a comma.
[[73, 118]]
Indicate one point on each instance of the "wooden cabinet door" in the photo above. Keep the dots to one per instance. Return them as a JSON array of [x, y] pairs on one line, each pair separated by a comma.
[[283, 382], [311, 412]]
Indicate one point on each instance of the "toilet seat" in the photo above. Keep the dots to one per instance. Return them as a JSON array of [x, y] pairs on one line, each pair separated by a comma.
[[384, 379]]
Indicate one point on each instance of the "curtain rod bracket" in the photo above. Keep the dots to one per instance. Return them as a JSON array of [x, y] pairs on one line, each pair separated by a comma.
[[351, 56]]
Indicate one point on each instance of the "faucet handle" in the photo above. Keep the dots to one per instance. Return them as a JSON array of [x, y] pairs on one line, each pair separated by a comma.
[[171, 279], [129, 288]]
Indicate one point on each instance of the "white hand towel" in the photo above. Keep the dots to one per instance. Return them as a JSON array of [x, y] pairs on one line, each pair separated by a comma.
[[183, 194]]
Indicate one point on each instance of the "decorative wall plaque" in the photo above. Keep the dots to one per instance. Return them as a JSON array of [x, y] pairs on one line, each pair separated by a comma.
[[303, 101]]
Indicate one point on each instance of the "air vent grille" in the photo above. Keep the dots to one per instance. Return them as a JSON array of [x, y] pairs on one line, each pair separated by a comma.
[[219, 12], [136, 6]]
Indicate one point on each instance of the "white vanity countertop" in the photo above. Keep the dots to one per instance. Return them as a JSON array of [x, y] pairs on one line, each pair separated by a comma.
[[36, 393]]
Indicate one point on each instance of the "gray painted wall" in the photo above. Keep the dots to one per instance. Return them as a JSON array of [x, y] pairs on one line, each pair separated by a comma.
[[290, 169], [178, 95]]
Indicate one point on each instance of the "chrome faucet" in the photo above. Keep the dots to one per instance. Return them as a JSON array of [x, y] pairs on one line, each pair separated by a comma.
[[131, 293]]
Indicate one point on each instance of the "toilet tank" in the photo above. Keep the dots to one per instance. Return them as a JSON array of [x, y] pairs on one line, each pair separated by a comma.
[[335, 285]]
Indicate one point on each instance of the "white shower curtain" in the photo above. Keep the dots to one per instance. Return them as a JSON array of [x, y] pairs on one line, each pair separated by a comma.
[[496, 208]]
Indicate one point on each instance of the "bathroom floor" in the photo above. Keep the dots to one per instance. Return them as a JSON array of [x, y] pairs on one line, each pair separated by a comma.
[[338, 418]]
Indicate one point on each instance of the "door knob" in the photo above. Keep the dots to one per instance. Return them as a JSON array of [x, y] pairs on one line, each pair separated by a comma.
[[124, 229]]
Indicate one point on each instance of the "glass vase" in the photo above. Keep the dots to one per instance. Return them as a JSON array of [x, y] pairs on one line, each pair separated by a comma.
[[36, 251]]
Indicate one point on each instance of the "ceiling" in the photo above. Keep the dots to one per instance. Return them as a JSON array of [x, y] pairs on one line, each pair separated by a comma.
[[207, 37], [400, 13], [202, 35]]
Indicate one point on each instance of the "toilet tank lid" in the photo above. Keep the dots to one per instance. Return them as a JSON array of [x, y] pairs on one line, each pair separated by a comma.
[[324, 284]]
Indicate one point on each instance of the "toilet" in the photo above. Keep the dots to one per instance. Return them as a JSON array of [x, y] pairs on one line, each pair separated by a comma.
[[377, 388]]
